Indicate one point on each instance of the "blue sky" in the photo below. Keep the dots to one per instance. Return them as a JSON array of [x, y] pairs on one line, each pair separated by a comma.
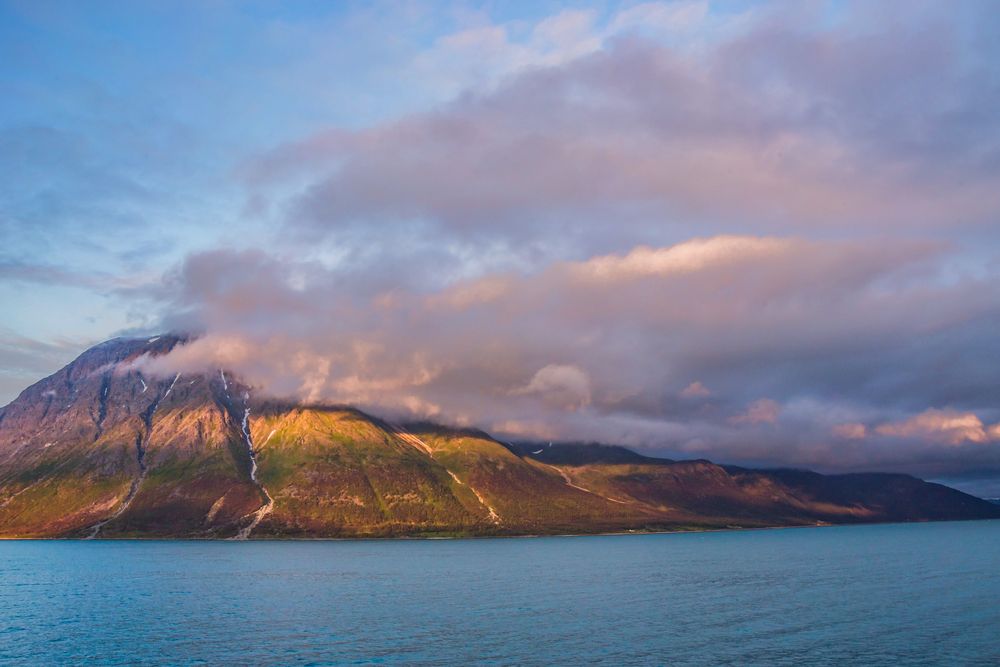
[[131, 122], [758, 232]]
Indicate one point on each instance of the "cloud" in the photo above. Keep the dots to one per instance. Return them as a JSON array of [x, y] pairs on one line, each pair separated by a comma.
[[836, 334], [13, 270], [689, 257], [484, 54], [851, 431], [762, 411], [951, 426], [789, 123], [560, 385], [660, 17], [696, 390]]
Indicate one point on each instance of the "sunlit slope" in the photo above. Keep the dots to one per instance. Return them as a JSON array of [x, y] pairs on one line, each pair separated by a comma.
[[525, 496], [336, 472], [195, 481]]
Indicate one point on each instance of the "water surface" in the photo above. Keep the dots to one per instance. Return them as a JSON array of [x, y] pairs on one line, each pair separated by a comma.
[[875, 595]]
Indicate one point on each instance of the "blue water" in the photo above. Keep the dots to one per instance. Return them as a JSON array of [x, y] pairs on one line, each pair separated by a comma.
[[874, 595]]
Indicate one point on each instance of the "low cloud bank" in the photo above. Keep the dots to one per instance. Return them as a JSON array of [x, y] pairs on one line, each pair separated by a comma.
[[834, 354]]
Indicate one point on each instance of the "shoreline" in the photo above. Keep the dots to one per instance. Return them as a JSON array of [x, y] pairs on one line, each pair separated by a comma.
[[410, 538]]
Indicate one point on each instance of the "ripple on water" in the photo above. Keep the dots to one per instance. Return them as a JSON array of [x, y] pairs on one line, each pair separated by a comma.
[[895, 594]]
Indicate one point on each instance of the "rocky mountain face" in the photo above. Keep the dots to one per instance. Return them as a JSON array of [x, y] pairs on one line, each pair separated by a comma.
[[101, 450]]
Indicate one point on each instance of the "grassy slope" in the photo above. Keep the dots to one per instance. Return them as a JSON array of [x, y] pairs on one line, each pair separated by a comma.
[[64, 490], [703, 494], [338, 473], [527, 496]]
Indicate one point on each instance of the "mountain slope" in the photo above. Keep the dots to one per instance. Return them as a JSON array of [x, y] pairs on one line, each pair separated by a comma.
[[101, 450]]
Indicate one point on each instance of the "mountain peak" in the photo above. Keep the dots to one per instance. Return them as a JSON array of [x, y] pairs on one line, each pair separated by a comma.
[[102, 449]]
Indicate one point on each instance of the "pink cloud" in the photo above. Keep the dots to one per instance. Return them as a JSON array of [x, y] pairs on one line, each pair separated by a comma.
[[848, 327], [851, 431], [762, 411], [951, 426], [775, 125], [695, 390]]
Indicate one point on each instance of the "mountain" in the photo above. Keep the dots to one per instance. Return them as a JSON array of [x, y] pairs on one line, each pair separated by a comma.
[[100, 449]]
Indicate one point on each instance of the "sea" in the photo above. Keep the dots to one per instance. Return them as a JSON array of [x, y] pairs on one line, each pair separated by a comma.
[[900, 594]]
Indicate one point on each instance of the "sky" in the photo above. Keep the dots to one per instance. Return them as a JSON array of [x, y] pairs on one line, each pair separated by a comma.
[[761, 233]]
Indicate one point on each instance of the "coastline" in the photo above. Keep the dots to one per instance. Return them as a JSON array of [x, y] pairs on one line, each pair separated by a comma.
[[410, 538]]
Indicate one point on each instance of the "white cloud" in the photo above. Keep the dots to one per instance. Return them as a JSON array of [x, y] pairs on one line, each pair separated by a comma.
[[951, 426], [484, 54], [561, 385]]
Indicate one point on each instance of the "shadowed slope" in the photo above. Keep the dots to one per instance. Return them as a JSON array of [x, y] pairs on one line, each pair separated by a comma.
[[69, 445], [703, 493]]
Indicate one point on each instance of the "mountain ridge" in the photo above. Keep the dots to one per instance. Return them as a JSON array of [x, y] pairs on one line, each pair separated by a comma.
[[99, 449]]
